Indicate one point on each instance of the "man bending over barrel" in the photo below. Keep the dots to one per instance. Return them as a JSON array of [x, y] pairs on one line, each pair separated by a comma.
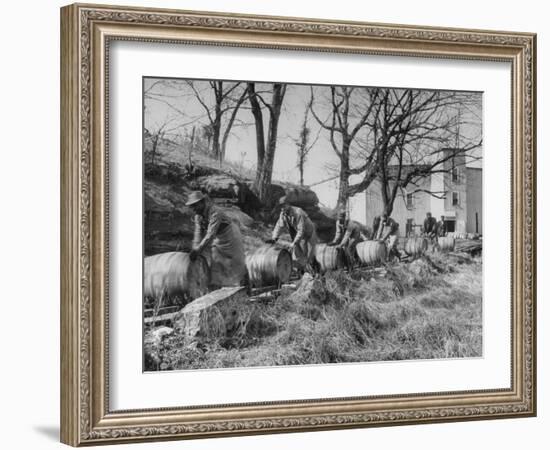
[[219, 239], [302, 232], [384, 229], [440, 227], [429, 229], [348, 234]]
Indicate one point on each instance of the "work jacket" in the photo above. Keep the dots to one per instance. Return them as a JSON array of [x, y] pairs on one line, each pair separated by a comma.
[[440, 229], [219, 240], [297, 223], [429, 225], [381, 228], [348, 231], [209, 225]]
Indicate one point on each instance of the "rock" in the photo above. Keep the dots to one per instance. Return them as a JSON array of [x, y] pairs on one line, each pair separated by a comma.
[[301, 196], [155, 336], [219, 186], [236, 215], [275, 193], [310, 290], [221, 313], [420, 269], [288, 288], [324, 224], [157, 205]]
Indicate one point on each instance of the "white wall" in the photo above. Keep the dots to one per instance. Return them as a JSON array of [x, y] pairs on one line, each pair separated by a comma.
[[29, 229]]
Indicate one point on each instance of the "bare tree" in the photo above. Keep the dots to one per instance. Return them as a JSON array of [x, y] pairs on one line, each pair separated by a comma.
[[303, 143], [157, 132], [220, 99], [416, 133], [265, 147], [347, 117]]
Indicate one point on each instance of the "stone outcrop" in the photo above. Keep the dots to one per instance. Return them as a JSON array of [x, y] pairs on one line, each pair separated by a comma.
[[221, 313]]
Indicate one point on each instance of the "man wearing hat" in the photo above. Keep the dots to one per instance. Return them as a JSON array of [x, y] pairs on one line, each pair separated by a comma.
[[384, 229], [348, 234], [302, 232], [219, 239], [429, 229]]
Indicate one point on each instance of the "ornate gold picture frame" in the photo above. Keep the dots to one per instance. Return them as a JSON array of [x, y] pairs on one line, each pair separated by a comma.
[[87, 31]]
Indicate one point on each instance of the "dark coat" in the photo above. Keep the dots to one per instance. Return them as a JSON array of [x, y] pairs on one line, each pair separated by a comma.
[[429, 225]]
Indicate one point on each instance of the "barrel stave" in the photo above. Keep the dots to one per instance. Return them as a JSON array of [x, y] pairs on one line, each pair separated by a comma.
[[446, 243], [269, 265], [416, 246], [329, 257], [173, 274], [371, 252]]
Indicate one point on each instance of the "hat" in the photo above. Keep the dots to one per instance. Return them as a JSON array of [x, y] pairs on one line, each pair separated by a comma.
[[283, 200], [195, 197]]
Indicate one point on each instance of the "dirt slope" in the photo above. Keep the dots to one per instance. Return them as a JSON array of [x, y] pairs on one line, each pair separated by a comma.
[[168, 181]]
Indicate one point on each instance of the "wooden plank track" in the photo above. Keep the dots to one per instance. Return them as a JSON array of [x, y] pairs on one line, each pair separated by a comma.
[[164, 317]]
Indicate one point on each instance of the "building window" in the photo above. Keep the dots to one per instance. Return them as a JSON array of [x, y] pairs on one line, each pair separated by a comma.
[[410, 201], [454, 174], [455, 199]]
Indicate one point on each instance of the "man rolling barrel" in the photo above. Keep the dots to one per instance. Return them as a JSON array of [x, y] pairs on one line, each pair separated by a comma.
[[384, 229], [348, 234], [429, 229], [219, 239], [302, 232]]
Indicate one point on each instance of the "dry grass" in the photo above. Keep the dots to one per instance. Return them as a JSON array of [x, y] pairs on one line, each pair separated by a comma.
[[430, 308]]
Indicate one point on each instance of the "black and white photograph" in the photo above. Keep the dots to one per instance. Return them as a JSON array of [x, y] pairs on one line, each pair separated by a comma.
[[292, 224], [244, 225]]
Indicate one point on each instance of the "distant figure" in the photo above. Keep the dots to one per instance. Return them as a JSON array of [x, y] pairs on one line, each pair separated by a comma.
[[219, 239], [429, 229], [441, 228], [384, 229], [348, 234], [190, 170], [302, 232], [429, 225], [409, 228]]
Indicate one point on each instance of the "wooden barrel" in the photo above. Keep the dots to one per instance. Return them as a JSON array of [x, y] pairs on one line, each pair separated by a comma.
[[416, 246], [329, 258], [446, 243], [457, 235], [371, 252], [269, 266], [173, 274]]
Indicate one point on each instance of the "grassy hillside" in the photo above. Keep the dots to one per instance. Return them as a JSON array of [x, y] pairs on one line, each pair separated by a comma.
[[425, 309], [174, 174]]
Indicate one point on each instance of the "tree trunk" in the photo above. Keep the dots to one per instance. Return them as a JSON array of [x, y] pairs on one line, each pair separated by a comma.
[[343, 188], [156, 140], [388, 197], [216, 126], [303, 144], [229, 125], [259, 124], [266, 151], [388, 208]]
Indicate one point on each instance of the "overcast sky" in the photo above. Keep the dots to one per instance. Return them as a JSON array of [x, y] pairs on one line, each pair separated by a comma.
[[173, 100]]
